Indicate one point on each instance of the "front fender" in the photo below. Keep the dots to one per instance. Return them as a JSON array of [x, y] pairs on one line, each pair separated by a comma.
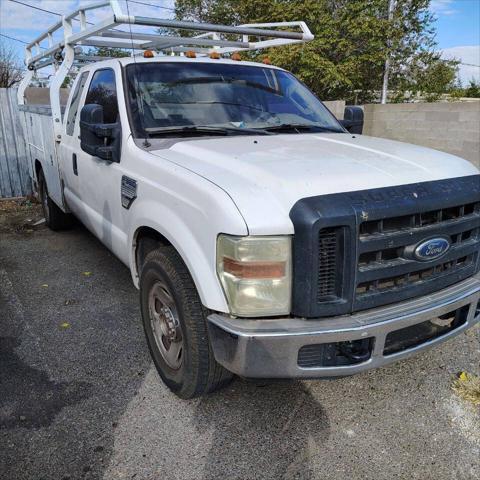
[[193, 236]]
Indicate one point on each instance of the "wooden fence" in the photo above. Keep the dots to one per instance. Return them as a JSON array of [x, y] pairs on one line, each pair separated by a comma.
[[15, 179]]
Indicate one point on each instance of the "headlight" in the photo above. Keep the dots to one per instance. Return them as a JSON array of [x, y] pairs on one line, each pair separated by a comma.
[[256, 274]]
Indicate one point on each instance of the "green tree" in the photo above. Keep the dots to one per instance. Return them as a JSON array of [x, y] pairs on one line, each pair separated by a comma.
[[352, 40], [473, 89], [429, 76], [66, 82], [109, 52]]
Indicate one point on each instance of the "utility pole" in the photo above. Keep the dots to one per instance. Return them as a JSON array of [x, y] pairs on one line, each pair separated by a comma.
[[391, 8]]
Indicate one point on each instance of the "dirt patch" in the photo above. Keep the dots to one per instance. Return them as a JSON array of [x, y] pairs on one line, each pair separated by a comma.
[[20, 216]]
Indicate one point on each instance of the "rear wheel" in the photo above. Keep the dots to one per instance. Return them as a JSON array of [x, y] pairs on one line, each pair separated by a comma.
[[175, 325], [55, 219]]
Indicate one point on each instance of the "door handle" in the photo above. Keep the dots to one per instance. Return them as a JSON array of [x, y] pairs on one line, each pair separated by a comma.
[[74, 164]]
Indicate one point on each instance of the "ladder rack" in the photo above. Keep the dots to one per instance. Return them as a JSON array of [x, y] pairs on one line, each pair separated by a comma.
[[104, 34], [67, 52]]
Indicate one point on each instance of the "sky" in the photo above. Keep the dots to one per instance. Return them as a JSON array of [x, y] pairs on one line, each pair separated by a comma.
[[458, 34], [458, 25]]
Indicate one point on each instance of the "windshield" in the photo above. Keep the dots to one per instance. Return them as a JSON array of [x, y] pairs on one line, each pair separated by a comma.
[[168, 98]]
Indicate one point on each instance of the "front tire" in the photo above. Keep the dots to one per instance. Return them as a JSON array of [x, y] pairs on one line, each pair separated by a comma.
[[175, 323], [55, 219]]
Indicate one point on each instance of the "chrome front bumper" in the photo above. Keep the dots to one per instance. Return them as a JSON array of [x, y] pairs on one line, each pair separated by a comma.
[[268, 348]]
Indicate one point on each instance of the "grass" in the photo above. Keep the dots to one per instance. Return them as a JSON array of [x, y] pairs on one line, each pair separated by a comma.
[[467, 387]]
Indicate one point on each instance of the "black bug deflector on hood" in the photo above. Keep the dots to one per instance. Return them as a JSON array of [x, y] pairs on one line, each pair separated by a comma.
[[351, 249]]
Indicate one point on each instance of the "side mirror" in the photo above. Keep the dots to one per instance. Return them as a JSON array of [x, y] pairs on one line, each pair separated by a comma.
[[347, 124], [353, 119], [99, 139]]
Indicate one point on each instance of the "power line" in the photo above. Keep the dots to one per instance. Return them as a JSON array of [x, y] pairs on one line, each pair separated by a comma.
[[52, 13], [36, 8], [90, 23], [16, 39], [43, 10], [12, 38], [152, 5]]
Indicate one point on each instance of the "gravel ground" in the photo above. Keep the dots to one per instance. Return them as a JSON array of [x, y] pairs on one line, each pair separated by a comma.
[[79, 398]]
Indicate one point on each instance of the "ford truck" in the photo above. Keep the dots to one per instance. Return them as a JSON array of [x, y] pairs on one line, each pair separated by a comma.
[[266, 240]]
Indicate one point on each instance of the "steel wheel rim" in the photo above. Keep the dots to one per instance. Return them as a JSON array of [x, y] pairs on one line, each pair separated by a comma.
[[165, 325]]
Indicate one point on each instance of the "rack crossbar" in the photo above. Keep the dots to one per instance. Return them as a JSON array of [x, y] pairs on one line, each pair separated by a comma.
[[157, 41], [210, 27]]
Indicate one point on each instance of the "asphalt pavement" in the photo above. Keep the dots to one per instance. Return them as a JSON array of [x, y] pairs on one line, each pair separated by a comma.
[[80, 399]]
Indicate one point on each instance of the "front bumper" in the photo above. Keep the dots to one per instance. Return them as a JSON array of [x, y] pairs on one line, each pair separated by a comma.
[[269, 348]]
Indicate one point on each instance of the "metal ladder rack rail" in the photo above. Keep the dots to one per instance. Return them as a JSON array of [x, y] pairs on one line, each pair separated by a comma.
[[63, 55]]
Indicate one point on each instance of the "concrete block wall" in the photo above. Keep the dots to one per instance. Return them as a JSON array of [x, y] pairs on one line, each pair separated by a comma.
[[337, 107], [450, 127]]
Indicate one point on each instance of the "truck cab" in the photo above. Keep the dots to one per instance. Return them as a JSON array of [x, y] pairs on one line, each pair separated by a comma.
[[266, 240]]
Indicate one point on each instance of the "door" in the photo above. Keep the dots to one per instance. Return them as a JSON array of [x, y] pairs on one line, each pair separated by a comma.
[[99, 205], [68, 148]]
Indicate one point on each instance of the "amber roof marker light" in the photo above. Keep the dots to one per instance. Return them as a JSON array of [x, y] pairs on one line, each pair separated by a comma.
[[215, 55], [148, 54], [267, 61], [236, 56], [190, 54]]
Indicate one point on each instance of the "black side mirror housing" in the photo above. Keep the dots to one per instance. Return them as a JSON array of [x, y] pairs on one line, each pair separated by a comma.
[[353, 119], [99, 139]]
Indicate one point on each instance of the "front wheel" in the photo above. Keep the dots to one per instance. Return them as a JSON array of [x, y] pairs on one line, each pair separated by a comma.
[[175, 325]]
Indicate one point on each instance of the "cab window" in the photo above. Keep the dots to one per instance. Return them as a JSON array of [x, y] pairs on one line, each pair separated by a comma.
[[103, 91]]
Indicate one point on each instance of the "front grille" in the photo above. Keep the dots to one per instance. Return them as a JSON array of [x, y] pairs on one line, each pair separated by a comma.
[[416, 220], [419, 276], [385, 272], [327, 260], [358, 250]]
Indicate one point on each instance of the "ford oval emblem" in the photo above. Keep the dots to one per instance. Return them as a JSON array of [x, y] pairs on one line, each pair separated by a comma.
[[432, 249]]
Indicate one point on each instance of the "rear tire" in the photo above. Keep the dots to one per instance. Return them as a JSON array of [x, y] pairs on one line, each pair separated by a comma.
[[175, 323], [55, 219]]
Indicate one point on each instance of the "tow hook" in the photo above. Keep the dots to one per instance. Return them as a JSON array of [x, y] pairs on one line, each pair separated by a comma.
[[356, 351]]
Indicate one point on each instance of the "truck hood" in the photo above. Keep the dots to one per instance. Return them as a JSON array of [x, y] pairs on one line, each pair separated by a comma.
[[266, 175]]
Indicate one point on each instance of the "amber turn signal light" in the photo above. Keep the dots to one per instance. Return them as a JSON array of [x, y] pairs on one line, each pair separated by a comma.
[[253, 269]]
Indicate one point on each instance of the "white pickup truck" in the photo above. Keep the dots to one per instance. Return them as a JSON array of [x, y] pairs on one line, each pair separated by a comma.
[[266, 240]]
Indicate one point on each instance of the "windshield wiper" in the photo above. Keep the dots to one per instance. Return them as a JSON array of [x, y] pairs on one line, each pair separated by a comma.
[[299, 127], [204, 130]]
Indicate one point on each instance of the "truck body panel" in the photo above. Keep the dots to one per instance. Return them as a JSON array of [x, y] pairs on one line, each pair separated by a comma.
[[42, 148]]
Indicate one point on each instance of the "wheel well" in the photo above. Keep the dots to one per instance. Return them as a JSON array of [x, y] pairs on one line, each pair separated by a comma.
[[38, 168], [146, 239]]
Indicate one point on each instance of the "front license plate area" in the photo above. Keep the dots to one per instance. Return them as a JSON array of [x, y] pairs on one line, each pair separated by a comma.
[[415, 335]]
